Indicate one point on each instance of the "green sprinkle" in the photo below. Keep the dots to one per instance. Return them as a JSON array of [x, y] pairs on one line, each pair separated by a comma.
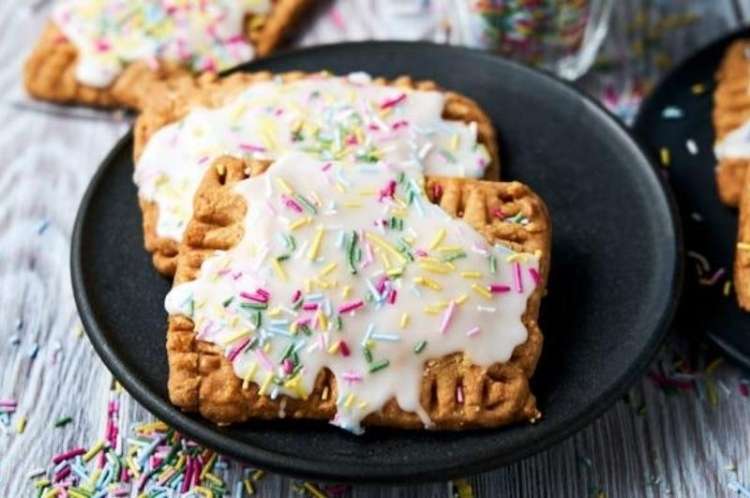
[[307, 204], [254, 306], [493, 264], [283, 257], [288, 351], [454, 256], [228, 301], [339, 322], [379, 365], [62, 422], [368, 354], [291, 243], [191, 308], [257, 319], [420, 347]]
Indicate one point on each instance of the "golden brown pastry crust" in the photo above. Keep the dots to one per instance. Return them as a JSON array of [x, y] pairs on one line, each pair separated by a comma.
[[49, 72], [175, 98], [202, 380], [731, 110]]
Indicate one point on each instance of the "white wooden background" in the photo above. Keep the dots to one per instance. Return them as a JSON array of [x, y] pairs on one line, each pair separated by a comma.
[[657, 445]]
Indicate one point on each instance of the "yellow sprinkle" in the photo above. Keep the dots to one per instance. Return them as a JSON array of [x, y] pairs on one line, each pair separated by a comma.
[[461, 299], [427, 282], [267, 347], [237, 335], [249, 488], [308, 285], [349, 400], [150, 427], [384, 258], [258, 475], [213, 478], [404, 320], [438, 239], [340, 187], [294, 384], [698, 88], [93, 451], [204, 491], [324, 394], [52, 493], [346, 291], [482, 291], [322, 320], [274, 312], [133, 467], [266, 383], [713, 365], [727, 287], [743, 246], [664, 156], [517, 256], [352, 204], [21, 425], [471, 274], [395, 272], [314, 491], [334, 348], [449, 248], [454, 142], [385, 245], [299, 222], [207, 468], [220, 168], [327, 269], [434, 267], [284, 186], [249, 375], [278, 269], [315, 247]]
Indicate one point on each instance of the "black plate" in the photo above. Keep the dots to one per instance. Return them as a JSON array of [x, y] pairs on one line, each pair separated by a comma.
[[704, 310], [616, 265]]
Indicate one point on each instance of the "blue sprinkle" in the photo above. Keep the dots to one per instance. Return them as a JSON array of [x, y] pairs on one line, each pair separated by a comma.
[[672, 112], [42, 227]]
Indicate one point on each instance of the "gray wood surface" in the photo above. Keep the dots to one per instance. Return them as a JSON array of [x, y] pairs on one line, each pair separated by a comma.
[[690, 443]]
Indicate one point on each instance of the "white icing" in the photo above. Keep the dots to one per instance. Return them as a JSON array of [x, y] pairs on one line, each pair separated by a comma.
[[347, 119], [109, 34], [346, 196], [736, 144]]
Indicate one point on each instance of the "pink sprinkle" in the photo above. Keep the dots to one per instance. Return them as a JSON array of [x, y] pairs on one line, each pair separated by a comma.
[[251, 148], [189, 469], [744, 390], [209, 65], [297, 294], [393, 101], [263, 292], [499, 288], [388, 191], [237, 350], [287, 366], [459, 395], [337, 18], [102, 45], [392, 297], [303, 321], [535, 275], [8, 403], [327, 166], [447, 317], [351, 306], [344, 348], [62, 474], [263, 358], [223, 271], [473, 331], [400, 124], [68, 455], [351, 140], [236, 39], [517, 277], [421, 253], [310, 306], [254, 297], [497, 213], [437, 191], [352, 377], [291, 203]]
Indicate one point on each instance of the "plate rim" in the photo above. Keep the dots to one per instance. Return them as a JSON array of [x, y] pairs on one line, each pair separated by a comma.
[[649, 106], [208, 435]]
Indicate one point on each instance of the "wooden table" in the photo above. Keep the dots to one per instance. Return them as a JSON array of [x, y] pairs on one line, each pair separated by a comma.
[[690, 443]]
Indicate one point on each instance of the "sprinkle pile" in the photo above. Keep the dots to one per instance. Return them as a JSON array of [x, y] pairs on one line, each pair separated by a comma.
[[205, 36]]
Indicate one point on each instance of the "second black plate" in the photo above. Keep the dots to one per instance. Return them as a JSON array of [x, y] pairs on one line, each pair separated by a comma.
[[615, 275], [710, 228]]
